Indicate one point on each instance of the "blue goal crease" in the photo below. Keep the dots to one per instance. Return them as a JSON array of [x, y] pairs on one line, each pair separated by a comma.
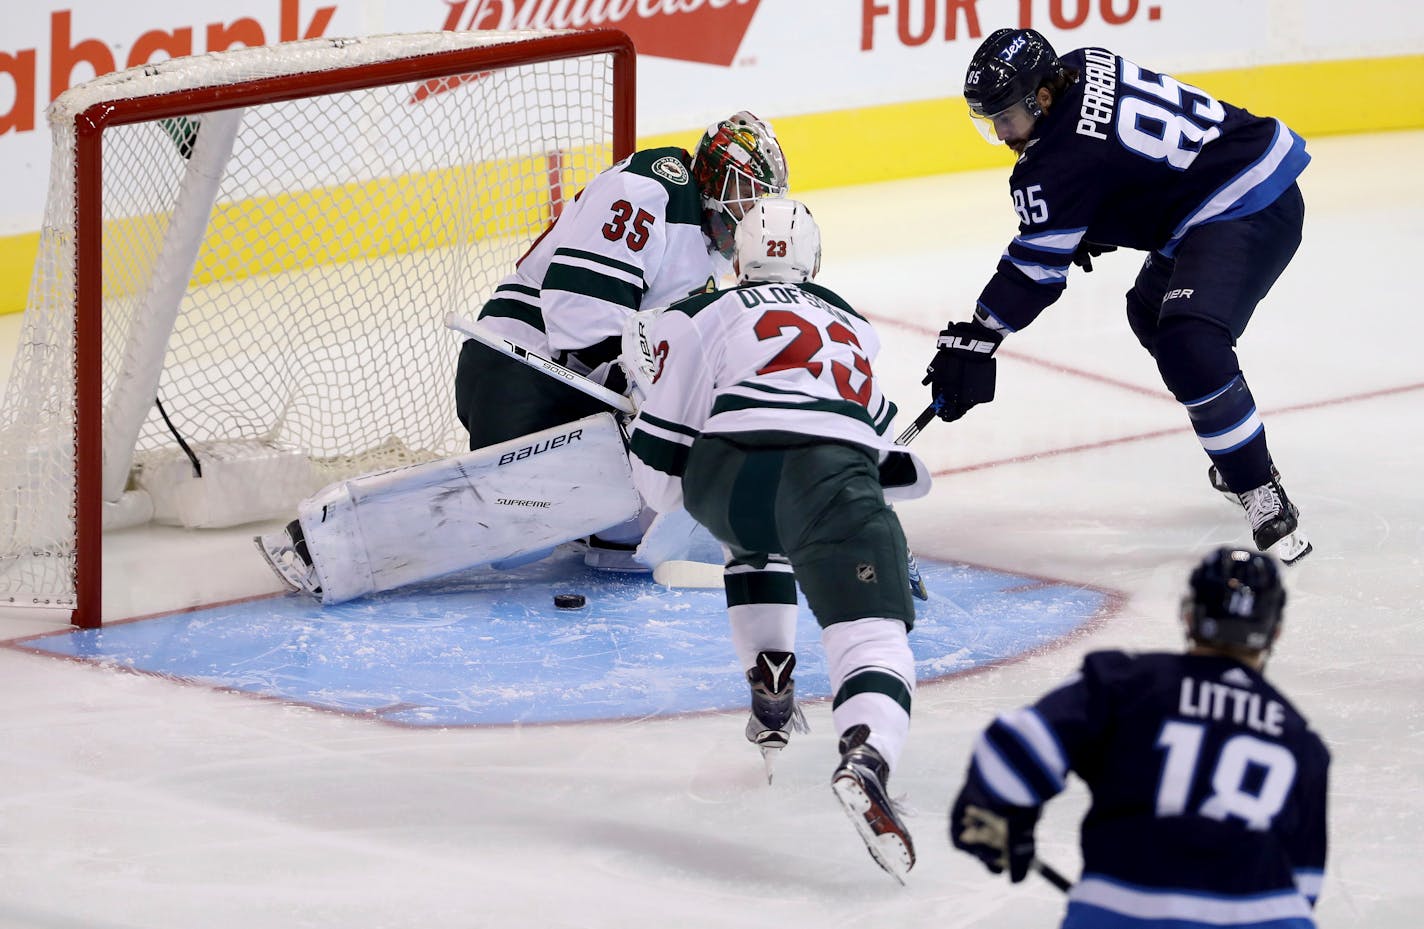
[[490, 648]]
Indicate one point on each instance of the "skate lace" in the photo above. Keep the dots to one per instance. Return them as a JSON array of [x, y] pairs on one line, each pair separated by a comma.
[[1262, 505]]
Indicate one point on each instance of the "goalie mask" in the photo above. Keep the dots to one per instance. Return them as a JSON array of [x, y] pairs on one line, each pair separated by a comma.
[[778, 241], [1235, 599], [738, 162]]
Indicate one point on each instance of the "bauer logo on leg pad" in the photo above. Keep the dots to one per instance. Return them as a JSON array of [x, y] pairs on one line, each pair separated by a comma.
[[520, 454]]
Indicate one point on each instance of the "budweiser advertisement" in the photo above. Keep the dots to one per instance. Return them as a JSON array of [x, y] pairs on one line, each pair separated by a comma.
[[707, 31]]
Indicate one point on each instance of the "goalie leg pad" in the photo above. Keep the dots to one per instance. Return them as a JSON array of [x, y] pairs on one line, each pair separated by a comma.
[[385, 530]]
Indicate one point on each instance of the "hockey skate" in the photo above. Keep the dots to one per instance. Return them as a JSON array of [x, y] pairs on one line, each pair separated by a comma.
[[1218, 483], [775, 714], [604, 555], [859, 785], [1274, 522], [286, 554]]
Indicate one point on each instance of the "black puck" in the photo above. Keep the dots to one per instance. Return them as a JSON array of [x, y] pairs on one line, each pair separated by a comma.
[[569, 601]]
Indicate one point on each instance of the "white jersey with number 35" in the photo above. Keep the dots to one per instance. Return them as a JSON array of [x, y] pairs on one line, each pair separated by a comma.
[[632, 239]]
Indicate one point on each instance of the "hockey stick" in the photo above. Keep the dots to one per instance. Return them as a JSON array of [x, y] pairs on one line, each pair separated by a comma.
[[918, 589], [539, 363], [919, 424], [702, 575], [1051, 874]]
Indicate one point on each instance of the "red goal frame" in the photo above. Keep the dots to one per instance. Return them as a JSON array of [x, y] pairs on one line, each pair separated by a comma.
[[90, 125]]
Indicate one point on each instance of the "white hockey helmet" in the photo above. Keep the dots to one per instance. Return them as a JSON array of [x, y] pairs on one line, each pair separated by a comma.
[[778, 241]]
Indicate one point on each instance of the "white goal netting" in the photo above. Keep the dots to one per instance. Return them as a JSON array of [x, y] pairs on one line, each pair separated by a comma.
[[274, 262]]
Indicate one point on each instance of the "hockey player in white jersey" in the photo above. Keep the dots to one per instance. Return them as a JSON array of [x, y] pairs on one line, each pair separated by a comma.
[[649, 230], [763, 414]]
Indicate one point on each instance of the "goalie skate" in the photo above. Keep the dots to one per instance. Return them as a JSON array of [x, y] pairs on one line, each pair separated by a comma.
[[605, 555], [775, 714], [859, 785], [286, 554]]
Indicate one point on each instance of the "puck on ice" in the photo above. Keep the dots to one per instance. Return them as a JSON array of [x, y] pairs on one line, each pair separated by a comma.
[[569, 601]]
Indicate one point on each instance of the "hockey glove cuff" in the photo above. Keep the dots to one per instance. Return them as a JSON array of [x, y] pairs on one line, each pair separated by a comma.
[[1000, 837], [1086, 251], [961, 375]]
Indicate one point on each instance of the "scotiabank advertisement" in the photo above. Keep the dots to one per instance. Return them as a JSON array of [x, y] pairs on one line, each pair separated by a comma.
[[698, 59]]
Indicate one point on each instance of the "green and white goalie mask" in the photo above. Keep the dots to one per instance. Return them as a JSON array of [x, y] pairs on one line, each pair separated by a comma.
[[738, 161]]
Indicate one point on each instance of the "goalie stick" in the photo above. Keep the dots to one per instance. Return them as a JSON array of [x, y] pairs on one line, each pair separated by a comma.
[[539, 363]]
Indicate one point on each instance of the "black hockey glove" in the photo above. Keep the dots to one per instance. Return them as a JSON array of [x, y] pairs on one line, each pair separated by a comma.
[[1002, 838], [962, 372], [602, 362], [1086, 251]]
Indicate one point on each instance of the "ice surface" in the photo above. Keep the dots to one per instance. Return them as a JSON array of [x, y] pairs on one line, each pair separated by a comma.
[[134, 800]]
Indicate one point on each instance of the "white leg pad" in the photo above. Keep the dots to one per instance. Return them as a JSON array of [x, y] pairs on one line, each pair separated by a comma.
[[385, 530]]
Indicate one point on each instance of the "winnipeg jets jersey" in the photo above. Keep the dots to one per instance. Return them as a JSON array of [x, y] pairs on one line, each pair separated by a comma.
[[631, 238], [1208, 790], [1132, 158], [758, 361]]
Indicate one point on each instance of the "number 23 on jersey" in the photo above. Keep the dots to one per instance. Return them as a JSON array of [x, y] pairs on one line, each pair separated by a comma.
[[807, 342]]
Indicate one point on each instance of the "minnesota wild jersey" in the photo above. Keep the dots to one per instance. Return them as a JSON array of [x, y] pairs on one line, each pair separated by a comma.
[[763, 362], [632, 238]]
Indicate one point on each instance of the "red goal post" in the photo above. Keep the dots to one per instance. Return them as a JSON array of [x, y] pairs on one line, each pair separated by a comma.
[[267, 240]]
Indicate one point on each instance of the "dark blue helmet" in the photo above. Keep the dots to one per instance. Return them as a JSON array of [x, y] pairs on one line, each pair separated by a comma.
[[1235, 598], [1009, 67]]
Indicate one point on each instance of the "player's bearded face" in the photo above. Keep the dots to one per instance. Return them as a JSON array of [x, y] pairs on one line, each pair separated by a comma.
[[1011, 127]]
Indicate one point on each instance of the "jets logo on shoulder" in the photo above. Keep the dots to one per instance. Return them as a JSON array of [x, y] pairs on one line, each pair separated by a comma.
[[671, 168]]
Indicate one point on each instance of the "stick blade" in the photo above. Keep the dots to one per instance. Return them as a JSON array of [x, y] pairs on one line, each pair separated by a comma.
[[702, 575]]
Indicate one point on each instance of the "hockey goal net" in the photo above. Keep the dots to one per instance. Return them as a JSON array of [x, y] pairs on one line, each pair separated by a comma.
[[244, 264]]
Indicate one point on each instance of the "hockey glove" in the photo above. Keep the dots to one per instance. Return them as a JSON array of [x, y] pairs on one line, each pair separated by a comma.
[[611, 374], [1086, 251], [962, 372], [1002, 838], [600, 363]]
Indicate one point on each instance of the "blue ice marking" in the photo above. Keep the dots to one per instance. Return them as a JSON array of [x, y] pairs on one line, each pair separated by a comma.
[[490, 648]]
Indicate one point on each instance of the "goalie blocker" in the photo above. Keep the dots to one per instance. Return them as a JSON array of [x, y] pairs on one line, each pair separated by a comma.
[[497, 504]]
